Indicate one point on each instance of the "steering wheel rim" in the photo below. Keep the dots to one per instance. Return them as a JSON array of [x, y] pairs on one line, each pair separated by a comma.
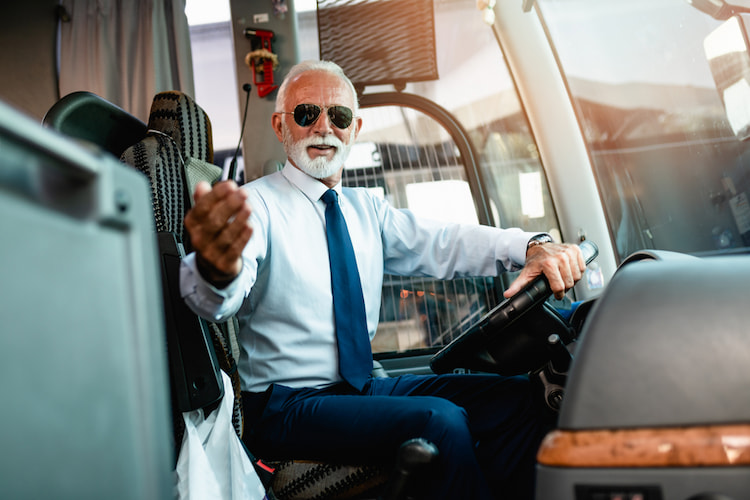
[[507, 340]]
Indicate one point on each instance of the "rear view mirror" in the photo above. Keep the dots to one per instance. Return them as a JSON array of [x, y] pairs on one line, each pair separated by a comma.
[[728, 53]]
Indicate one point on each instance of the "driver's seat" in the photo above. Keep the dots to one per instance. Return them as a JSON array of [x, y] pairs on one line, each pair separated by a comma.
[[175, 154]]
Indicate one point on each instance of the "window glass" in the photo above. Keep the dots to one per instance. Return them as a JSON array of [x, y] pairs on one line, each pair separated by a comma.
[[214, 71], [416, 164], [428, 178], [671, 172]]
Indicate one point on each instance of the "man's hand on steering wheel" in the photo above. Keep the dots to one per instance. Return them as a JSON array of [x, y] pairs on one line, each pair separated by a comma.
[[561, 263]]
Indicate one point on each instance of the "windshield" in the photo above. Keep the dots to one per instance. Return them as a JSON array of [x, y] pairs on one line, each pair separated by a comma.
[[670, 171]]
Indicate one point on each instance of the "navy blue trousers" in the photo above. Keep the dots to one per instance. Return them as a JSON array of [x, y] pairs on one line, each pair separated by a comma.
[[487, 428]]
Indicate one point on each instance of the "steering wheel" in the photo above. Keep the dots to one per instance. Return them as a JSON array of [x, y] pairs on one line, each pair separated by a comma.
[[513, 338]]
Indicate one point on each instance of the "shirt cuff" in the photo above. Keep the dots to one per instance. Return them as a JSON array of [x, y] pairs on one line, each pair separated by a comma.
[[204, 298]]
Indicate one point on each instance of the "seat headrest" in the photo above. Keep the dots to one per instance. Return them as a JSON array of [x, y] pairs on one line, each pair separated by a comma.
[[177, 115], [86, 116]]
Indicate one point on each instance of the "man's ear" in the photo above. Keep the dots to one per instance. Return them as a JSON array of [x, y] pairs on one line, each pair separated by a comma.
[[276, 124], [358, 124]]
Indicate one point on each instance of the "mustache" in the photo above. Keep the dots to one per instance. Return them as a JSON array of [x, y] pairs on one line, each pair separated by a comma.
[[329, 140]]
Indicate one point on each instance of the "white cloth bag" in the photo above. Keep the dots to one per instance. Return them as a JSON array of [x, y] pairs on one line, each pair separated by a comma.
[[212, 464]]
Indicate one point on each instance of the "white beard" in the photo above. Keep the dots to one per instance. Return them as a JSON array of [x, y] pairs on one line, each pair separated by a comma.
[[320, 167]]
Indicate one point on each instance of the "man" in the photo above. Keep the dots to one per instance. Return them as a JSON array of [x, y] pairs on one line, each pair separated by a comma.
[[262, 252]]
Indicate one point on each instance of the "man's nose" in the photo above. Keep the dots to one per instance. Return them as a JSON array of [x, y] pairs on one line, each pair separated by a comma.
[[323, 124]]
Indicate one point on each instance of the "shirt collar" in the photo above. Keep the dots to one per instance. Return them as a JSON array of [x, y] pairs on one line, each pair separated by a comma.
[[310, 186]]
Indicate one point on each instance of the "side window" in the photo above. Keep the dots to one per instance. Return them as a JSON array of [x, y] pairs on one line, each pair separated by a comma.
[[214, 72]]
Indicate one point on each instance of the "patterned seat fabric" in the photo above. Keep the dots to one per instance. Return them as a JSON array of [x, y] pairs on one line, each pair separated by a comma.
[[309, 480], [179, 131], [178, 116], [178, 147]]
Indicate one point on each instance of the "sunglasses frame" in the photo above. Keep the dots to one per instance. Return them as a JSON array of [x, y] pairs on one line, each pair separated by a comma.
[[320, 110]]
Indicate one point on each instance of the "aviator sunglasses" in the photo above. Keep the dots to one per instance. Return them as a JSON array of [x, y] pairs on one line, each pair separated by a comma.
[[307, 114]]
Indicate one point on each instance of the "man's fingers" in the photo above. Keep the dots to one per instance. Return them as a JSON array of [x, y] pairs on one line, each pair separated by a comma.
[[514, 288], [571, 269], [207, 197], [214, 210], [225, 211], [563, 266], [577, 263], [230, 259], [233, 230], [558, 276], [201, 189], [568, 272], [219, 227], [225, 246]]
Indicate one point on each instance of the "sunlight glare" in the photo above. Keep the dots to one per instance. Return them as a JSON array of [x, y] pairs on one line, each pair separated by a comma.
[[207, 11]]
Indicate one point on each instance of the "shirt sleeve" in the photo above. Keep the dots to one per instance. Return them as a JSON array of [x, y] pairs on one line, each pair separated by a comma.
[[217, 304], [423, 247]]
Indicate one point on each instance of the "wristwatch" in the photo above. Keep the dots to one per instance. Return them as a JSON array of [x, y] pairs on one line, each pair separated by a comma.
[[539, 239]]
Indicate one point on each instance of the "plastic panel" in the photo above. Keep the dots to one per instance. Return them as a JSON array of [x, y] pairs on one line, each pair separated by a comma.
[[85, 394], [665, 345]]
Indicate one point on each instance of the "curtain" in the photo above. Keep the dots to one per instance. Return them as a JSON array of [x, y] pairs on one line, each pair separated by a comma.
[[125, 51]]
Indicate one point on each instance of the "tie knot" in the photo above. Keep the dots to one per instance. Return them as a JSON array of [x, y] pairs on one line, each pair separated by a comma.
[[329, 197]]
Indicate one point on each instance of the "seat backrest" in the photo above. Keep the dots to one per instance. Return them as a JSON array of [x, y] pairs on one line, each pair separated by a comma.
[[95, 121], [193, 366], [176, 153], [177, 115]]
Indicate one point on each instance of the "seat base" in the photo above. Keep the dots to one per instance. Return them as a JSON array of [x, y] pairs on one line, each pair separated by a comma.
[[308, 480]]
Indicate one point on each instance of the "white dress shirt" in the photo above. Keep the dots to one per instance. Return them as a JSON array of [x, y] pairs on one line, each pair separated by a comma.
[[282, 296]]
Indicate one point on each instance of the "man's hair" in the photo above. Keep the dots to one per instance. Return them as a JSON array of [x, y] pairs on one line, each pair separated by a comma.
[[304, 66]]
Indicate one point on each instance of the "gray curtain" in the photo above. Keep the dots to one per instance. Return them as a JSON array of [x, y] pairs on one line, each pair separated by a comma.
[[126, 51]]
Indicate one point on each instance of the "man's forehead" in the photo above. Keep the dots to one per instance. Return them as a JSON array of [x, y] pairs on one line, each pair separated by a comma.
[[320, 87]]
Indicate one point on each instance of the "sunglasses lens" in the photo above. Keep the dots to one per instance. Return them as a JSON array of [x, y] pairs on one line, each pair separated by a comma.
[[340, 116], [306, 114]]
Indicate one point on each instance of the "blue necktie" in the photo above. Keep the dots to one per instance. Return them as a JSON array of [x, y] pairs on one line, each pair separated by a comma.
[[355, 354]]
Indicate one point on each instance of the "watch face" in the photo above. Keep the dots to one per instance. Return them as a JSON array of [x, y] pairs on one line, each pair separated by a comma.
[[543, 238]]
